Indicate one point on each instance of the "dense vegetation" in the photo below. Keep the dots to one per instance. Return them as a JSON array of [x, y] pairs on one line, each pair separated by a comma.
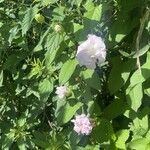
[[38, 45]]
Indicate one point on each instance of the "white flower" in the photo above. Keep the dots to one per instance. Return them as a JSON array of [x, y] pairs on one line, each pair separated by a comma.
[[62, 91], [91, 51], [82, 124]]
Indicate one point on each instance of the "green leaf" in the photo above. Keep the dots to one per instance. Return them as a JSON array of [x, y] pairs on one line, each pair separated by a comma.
[[142, 51], [58, 13], [67, 111], [21, 144], [52, 45], [122, 26], [27, 20], [45, 88], [39, 45], [1, 1], [134, 97], [92, 79], [53, 40], [76, 2], [93, 12], [13, 32], [79, 33], [41, 139], [147, 146], [139, 144], [15, 60], [9, 139], [89, 147], [103, 132], [67, 70], [139, 127], [119, 74], [122, 137], [116, 108], [134, 54], [135, 92], [48, 2], [91, 18], [138, 77], [21, 121], [147, 92]]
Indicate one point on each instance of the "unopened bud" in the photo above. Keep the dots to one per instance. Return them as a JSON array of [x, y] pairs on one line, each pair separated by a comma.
[[39, 18], [58, 28]]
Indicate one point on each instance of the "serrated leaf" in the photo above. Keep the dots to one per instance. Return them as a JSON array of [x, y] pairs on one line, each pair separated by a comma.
[[67, 70], [52, 45], [27, 20], [53, 40]]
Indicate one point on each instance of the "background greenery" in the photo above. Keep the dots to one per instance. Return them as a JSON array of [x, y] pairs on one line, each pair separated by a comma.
[[35, 59]]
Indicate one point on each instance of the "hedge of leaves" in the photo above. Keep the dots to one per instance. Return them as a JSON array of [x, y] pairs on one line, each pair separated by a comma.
[[38, 45]]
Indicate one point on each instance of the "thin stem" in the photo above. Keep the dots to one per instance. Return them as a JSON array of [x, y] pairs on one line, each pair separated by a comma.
[[139, 35]]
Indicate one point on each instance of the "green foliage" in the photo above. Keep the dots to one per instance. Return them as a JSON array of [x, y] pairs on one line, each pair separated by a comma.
[[29, 16], [122, 137], [66, 71], [38, 44], [67, 111]]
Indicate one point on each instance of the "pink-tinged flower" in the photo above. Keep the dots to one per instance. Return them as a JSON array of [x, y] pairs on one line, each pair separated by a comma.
[[62, 91], [91, 51], [82, 124]]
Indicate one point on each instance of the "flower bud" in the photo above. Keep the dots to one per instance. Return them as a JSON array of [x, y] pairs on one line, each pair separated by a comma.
[[58, 28], [39, 18]]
